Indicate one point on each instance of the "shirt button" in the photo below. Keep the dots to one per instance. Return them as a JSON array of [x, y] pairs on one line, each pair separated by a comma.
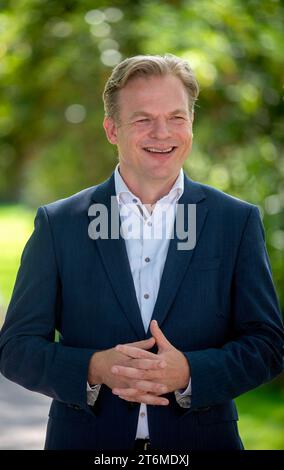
[[142, 414], [147, 259], [135, 200], [146, 296], [149, 224]]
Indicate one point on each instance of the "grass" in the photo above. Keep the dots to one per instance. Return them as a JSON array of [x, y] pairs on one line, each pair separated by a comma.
[[261, 414], [16, 225], [261, 411]]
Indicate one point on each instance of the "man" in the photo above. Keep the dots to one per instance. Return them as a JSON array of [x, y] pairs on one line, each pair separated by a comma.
[[155, 339]]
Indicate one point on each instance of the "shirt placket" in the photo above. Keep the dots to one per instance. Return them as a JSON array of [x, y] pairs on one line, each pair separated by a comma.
[[146, 274]]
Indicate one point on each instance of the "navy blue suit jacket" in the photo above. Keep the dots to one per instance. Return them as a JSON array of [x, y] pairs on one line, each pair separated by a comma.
[[216, 303]]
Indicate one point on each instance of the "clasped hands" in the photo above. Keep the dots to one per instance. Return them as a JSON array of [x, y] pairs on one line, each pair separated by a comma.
[[137, 375]]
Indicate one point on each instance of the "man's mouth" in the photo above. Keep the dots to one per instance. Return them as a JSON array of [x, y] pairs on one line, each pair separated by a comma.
[[160, 151]]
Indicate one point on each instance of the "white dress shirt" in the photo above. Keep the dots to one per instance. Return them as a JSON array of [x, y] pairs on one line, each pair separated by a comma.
[[147, 237]]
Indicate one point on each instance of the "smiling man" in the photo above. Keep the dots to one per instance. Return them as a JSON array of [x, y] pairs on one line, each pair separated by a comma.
[[153, 134], [155, 342]]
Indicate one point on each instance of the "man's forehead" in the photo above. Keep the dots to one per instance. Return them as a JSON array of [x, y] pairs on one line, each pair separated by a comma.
[[143, 95]]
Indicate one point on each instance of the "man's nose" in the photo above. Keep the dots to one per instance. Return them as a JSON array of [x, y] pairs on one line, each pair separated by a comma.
[[160, 129]]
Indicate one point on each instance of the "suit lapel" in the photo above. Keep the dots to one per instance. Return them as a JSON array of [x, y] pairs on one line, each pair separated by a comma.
[[115, 260], [177, 261]]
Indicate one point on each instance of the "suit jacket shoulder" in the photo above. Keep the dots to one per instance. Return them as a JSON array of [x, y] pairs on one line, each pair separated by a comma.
[[217, 197]]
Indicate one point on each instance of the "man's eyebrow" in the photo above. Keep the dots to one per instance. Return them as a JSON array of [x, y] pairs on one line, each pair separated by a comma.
[[144, 113], [179, 111], [139, 113]]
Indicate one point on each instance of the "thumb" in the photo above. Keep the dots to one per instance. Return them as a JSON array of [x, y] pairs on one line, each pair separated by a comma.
[[159, 336]]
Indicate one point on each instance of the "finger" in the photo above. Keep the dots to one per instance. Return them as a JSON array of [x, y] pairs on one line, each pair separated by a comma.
[[148, 399], [141, 386], [135, 352], [133, 373], [144, 344], [146, 364], [151, 387], [158, 334]]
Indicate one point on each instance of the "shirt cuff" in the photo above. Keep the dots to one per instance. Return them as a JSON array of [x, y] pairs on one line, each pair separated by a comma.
[[183, 397], [92, 393], [90, 388], [187, 391]]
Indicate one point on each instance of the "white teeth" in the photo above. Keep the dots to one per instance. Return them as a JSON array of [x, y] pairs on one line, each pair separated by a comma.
[[159, 150]]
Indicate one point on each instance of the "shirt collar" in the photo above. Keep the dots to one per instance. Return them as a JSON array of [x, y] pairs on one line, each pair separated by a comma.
[[124, 195]]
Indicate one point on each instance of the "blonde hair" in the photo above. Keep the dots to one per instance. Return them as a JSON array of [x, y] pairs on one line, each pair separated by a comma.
[[145, 66]]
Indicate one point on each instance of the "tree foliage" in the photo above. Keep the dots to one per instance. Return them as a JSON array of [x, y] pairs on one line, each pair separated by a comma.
[[56, 56]]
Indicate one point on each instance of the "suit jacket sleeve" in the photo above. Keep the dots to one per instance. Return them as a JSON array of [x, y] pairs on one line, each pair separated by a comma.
[[254, 353], [28, 353]]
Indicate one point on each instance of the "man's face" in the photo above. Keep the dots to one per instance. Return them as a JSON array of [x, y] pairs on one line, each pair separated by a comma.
[[154, 133]]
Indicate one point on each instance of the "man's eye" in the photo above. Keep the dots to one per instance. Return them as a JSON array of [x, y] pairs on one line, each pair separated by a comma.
[[143, 120], [178, 117]]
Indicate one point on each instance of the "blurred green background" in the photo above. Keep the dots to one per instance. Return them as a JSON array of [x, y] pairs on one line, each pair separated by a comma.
[[54, 60]]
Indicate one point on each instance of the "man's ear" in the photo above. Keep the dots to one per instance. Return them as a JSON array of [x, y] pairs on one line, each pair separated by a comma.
[[110, 129]]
